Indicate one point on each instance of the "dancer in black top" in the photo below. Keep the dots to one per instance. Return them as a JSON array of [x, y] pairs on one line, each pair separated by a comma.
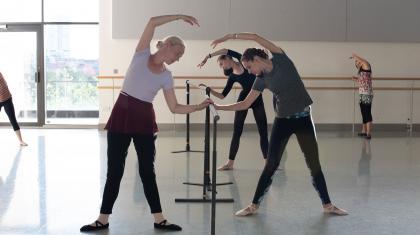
[[236, 73]]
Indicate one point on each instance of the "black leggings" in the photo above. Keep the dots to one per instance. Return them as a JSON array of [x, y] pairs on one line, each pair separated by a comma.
[[10, 111], [117, 152], [305, 132], [366, 110], [238, 126]]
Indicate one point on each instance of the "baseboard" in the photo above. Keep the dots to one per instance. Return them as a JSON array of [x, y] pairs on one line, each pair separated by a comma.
[[229, 126], [319, 127]]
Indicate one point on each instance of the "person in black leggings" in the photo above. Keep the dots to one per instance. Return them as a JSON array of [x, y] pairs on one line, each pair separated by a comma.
[[293, 116], [364, 80], [133, 119], [282, 165], [236, 73], [7, 102]]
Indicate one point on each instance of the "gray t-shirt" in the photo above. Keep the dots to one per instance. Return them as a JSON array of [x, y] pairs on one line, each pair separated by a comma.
[[287, 86], [141, 83]]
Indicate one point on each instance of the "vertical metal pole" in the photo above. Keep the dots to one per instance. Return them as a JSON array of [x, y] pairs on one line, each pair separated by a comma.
[[411, 107], [213, 188], [187, 146], [354, 108], [207, 150]]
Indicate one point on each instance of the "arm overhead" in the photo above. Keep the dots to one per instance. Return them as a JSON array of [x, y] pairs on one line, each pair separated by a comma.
[[156, 21]]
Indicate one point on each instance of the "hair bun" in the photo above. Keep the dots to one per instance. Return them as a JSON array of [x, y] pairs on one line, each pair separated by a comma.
[[249, 54]]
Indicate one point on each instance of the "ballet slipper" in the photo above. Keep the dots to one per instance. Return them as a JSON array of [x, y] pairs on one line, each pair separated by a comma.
[[331, 209], [249, 210], [225, 167]]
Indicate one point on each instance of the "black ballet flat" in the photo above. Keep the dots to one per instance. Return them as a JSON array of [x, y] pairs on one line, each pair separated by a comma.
[[168, 227], [98, 226]]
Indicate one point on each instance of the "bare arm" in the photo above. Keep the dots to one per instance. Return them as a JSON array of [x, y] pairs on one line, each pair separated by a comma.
[[365, 63], [175, 107], [156, 21], [213, 92], [217, 94], [216, 53], [252, 37], [242, 105]]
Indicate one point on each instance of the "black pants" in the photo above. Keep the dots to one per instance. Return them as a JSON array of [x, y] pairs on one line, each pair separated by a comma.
[[238, 126], [305, 132], [366, 110], [10, 111], [117, 152]]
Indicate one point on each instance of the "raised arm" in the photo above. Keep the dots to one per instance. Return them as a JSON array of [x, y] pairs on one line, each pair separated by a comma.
[[234, 54], [156, 21], [252, 37], [216, 53], [365, 63]]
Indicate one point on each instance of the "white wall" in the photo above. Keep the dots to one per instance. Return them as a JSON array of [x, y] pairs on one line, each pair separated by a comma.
[[313, 59]]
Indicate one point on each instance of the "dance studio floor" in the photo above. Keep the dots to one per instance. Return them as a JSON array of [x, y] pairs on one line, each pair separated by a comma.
[[54, 185]]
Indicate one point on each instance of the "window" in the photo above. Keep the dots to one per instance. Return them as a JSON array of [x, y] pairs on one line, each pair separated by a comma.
[[66, 92], [20, 11], [71, 65]]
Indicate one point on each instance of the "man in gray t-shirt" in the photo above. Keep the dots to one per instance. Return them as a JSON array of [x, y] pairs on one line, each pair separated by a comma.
[[285, 83]]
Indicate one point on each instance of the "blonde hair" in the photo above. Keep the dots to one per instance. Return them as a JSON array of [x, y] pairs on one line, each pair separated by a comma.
[[172, 40]]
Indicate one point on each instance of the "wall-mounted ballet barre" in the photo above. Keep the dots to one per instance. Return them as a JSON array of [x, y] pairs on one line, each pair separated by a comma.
[[412, 87], [344, 78], [307, 87]]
